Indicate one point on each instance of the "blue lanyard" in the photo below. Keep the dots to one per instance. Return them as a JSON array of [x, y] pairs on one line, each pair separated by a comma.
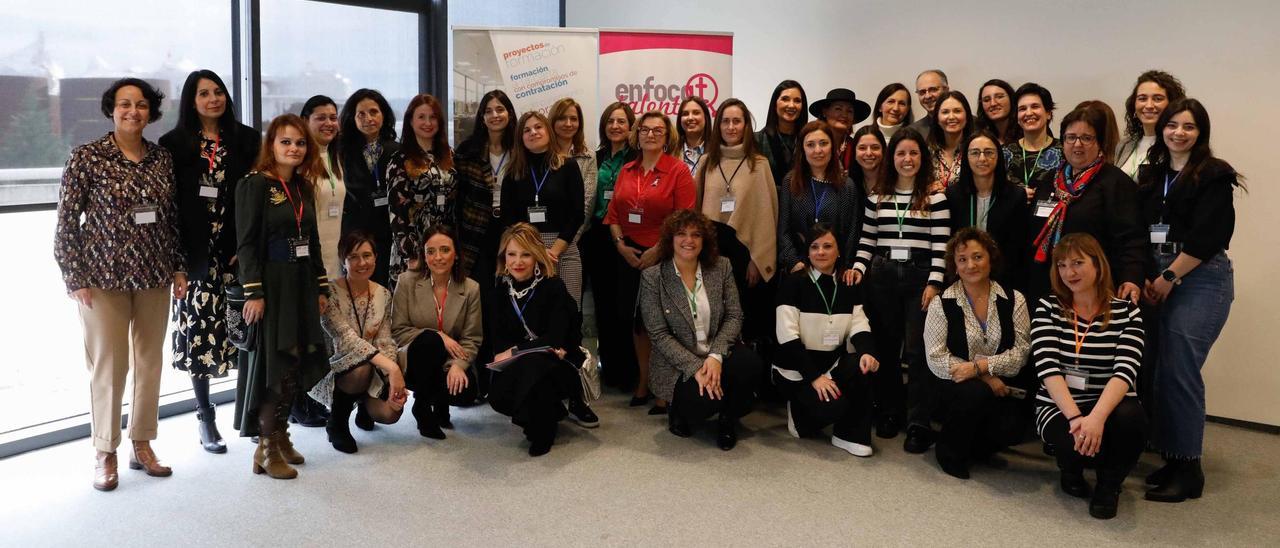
[[981, 323], [498, 169], [1169, 182], [537, 185], [520, 312], [817, 198]]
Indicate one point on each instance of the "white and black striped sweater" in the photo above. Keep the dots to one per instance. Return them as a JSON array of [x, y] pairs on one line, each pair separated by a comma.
[[803, 323], [921, 231], [1111, 352]]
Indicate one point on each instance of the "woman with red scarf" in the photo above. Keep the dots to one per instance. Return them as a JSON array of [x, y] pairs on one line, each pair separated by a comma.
[[1092, 196]]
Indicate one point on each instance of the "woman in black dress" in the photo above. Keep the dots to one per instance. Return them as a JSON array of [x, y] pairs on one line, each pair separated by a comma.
[[279, 256], [211, 152], [537, 334]]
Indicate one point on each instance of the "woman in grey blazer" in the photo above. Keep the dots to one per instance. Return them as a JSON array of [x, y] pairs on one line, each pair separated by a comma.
[[690, 307], [436, 322]]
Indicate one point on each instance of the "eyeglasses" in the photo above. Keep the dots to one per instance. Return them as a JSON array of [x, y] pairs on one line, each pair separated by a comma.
[[978, 153], [360, 257], [934, 89], [655, 131], [1072, 139]]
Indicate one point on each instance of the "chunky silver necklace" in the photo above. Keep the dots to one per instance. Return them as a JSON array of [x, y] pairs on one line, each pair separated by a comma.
[[511, 290]]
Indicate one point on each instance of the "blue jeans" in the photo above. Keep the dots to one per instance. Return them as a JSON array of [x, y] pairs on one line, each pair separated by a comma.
[[1190, 321]]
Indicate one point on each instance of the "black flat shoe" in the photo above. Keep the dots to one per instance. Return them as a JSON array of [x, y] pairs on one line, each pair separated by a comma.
[[727, 437], [431, 430], [919, 439], [887, 428], [954, 468], [581, 413], [678, 426], [658, 410], [638, 401], [1074, 484], [1105, 502], [539, 448]]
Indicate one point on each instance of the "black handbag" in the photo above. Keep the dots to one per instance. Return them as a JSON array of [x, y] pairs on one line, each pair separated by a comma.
[[244, 337]]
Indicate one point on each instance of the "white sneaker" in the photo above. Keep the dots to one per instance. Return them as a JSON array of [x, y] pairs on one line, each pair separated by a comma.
[[791, 423], [855, 449]]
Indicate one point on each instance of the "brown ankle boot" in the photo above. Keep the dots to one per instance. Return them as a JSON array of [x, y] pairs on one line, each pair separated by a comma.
[[267, 459], [291, 455], [145, 459], [105, 477]]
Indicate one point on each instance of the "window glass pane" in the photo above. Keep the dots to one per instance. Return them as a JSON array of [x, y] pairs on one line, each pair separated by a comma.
[[57, 58], [311, 48]]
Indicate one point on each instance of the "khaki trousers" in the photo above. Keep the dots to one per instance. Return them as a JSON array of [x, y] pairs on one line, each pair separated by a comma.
[[123, 330]]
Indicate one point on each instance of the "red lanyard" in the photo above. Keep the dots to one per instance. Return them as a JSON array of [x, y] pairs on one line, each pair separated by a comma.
[[297, 210], [217, 141], [440, 304]]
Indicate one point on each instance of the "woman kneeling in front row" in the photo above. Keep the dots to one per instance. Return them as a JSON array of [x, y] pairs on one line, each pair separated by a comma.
[[363, 360], [536, 323], [976, 341], [690, 308], [436, 321], [1087, 346], [825, 348]]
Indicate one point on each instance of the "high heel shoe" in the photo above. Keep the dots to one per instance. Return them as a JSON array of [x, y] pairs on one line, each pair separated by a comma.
[[267, 459], [144, 458], [207, 426], [638, 401]]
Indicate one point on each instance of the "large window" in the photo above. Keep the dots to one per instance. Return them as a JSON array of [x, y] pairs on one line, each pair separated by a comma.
[[57, 57], [311, 48]]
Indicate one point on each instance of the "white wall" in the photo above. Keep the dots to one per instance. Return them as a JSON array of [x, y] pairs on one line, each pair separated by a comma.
[[1224, 53]]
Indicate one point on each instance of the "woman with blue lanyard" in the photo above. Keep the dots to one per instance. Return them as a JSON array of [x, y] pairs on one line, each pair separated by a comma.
[[1034, 159], [816, 190], [368, 137], [905, 229], [692, 124], [544, 190], [1187, 201]]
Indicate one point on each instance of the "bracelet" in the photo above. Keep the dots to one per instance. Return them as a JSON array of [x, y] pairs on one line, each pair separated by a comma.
[[1075, 417]]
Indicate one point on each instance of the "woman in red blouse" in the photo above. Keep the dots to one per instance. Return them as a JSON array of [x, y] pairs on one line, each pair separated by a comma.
[[647, 190]]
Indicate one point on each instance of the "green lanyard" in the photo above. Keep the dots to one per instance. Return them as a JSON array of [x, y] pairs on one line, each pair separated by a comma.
[[973, 207], [830, 305], [1026, 176], [693, 295], [900, 214]]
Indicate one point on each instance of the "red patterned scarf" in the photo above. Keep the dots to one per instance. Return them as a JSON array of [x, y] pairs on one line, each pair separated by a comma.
[[1066, 192]]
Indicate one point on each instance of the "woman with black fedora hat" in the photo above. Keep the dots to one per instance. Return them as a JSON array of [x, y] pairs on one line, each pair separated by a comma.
[[841, 109]]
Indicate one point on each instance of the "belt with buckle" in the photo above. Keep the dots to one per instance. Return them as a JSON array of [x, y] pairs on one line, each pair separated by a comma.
[[1168, 248]]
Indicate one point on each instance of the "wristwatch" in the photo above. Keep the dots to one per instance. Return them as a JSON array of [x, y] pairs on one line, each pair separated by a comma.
[[1170, 276]]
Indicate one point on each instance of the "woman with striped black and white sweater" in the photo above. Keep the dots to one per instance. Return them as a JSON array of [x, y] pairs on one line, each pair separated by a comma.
[[905, 230], [825, 350], [1086, 347]]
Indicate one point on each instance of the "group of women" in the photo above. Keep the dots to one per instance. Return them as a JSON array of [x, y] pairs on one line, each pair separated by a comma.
[[805, 262]]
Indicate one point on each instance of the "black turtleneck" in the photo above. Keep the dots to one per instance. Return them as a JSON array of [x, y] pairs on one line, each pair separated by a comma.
[[548, 309], [561, 195]]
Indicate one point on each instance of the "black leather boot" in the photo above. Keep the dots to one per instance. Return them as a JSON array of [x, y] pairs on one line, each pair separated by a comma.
[[428, 422], [210, 439], [441, 411], [339, 424], [1186, 481], [303, 411], [363, 420], [1161, 476], [727, 432], [1105, 501]]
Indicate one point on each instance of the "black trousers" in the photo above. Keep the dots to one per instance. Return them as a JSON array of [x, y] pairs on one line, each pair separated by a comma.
[[738, 377], [893, 290], [976, 423], [482, 272], [850, 413], [531, 391], [625, 320], [426, 375], [758, 307], [600, 267], [1123, 439]]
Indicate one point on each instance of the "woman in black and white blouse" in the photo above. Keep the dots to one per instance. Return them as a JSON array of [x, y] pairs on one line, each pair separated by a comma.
[[976, 337], [1086, 346], [825, 349], [420, 177]]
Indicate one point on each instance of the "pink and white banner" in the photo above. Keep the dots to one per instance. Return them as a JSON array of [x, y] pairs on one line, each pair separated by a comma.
[[656, 70]]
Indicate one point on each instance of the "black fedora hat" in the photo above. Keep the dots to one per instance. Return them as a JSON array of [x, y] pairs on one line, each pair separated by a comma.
[[861, 110]]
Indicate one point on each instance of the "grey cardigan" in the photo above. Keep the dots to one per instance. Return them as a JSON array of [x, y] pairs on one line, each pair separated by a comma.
[[664, 305], [413, 311]]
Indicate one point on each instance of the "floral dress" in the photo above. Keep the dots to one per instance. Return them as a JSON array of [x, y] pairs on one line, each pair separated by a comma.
[[200, 344], [417, 202]]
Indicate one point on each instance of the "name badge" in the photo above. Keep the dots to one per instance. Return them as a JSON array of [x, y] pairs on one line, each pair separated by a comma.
[[831, 335], [440, 199], [1075, 381], [634, 216], [334, 210], [727, 204], [608, 195], [1159, 234], [537, 214], [380, 199], [145, 215], [701, 334], [1045, 207], [420, 198], [207, 191], [299, 248], [899, 254]]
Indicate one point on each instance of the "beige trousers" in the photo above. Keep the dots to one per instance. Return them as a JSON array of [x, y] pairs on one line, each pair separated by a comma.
[[123, 330]]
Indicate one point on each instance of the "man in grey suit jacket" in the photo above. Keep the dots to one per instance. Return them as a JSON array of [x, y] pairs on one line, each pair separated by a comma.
[[930, 85]]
